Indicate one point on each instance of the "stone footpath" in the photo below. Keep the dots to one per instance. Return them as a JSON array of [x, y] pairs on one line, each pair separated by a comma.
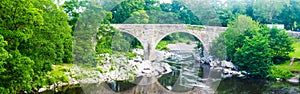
[[294, 80]]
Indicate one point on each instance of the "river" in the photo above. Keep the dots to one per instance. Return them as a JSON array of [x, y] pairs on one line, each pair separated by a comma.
[[187, 76]]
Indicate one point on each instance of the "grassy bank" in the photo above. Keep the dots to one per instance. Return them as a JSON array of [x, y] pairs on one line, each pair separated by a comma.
[[58, 73], [297, 50], [296, 54], [285, 70]]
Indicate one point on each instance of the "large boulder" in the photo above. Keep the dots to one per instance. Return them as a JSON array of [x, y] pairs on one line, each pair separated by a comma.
[[149, 69], [227, 64], [138, 59], [213, 63]]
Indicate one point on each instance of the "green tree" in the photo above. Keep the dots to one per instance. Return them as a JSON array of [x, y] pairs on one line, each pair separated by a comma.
[[255, 54], [3, 58], [38, 36], [281, 45], [138, 17], [52, 42], [182, 12], [230, 9], [85, 33], [104, 37], [162, 17], [123, 11], [218, 48], [18, 19], [265, 11], [235, 31], [203, 12], [251, 47], [151, 5], [289, 15], [4, 54], [72, 8], [19, 74]]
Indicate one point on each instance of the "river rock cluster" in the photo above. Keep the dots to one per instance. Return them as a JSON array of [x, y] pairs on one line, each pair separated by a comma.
[[148, 68], [228, 68], [120, 69]]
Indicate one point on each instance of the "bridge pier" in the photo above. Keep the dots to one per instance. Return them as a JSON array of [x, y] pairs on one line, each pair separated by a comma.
[[148, 51]]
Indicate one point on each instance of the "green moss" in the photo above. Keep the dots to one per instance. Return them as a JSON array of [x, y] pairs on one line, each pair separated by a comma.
[[195, 27]]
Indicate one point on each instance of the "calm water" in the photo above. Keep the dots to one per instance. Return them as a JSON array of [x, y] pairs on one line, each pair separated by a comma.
[[185, 76]]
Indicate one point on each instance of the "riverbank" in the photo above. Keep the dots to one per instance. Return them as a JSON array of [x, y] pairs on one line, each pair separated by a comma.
[[123, 68], [112, 68], [294, 65]]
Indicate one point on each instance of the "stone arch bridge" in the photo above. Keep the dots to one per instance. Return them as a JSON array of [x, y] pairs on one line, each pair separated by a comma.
[[150, 34]]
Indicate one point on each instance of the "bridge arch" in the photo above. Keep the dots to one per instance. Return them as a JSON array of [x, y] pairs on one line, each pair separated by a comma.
[[150, 34], [134, 36]]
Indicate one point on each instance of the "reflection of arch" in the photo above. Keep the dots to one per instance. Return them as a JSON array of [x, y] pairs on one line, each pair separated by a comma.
[[169, 33], [156, 88]]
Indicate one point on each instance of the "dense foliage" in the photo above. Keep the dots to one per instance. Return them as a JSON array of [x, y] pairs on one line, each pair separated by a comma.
[[205, 12], [254, 55], [35, 35], [252, 47]]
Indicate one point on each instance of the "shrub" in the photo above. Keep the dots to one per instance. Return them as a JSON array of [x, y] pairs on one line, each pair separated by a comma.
[[162, 45], [188, 42], [131, 55], [276, 72]]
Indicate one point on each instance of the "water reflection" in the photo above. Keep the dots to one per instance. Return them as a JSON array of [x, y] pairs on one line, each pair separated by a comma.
[[185, 72], [255, 86], [119, 86], [227, 86]]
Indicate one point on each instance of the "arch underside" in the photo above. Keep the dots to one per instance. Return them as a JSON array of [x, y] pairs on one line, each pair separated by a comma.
[[135, 36]]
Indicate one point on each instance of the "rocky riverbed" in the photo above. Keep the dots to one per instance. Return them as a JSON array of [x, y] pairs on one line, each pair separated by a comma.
[[227, 68]]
